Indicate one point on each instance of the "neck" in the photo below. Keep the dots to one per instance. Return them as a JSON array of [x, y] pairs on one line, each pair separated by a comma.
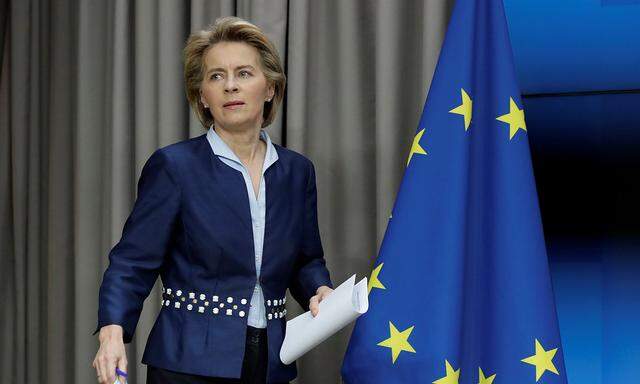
[[245, 143]]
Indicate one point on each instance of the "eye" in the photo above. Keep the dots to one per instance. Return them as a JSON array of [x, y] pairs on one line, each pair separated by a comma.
[[244, 73], [215, 76]]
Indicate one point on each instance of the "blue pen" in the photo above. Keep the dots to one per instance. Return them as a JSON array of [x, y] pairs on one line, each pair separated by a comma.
[[120, 373]]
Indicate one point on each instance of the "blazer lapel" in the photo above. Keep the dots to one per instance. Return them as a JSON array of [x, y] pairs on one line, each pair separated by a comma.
[[276, 202], [231, 185]]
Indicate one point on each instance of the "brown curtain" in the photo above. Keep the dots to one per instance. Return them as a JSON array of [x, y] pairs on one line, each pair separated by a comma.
[[90, 88]]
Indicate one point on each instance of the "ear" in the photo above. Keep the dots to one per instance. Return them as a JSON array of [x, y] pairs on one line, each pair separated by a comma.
[[202, 100], [271, 91]]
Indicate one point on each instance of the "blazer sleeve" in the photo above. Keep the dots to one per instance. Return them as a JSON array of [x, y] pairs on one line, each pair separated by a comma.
[[310, 270], [135, 261]]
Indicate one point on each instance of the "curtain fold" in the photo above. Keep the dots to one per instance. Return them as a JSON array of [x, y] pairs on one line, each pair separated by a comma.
[[89, 89], [59, 123], [7, 297]]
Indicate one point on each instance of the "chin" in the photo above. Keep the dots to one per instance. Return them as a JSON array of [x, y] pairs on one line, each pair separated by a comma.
[[235, 124], [239, 121]]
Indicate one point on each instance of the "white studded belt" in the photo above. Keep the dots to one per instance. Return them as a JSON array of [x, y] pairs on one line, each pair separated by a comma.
[[218, 305], [276, 308]]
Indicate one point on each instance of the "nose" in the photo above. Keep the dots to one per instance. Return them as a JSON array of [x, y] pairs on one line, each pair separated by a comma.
[[230, 84]]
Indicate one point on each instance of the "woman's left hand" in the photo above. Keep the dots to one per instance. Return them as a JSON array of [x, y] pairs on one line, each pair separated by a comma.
[[314, 302]]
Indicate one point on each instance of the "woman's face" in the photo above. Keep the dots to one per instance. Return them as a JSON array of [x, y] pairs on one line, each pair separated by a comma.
[[234, 87]]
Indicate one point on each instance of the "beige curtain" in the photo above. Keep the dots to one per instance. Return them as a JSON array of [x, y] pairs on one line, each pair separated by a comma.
[[89, 88]]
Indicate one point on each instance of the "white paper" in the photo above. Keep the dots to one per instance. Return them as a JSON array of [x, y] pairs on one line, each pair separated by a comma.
[[342, 306]]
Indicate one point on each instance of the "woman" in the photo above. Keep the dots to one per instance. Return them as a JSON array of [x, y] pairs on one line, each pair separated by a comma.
[[229, 222]]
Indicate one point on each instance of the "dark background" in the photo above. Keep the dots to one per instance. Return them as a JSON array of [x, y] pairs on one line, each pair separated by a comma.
[[578, 65]]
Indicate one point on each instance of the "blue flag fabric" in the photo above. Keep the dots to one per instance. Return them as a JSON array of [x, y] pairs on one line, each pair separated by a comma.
[[460, 291]]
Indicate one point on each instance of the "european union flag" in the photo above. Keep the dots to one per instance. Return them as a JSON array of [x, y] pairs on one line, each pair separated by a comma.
[[461, 292]]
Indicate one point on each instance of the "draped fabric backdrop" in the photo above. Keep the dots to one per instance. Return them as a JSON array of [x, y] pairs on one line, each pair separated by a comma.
[[90, 88]]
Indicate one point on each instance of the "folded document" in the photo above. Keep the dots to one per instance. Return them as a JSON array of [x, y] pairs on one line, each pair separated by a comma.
[[339, 308]]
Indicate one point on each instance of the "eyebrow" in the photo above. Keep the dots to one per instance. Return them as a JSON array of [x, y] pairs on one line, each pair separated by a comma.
[[219, 69]]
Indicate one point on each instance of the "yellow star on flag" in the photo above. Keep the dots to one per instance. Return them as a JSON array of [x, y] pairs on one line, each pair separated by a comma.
[[398, 341], [374, 282], [542, 360], [451, 376], [485, 380], [464, 109], [515, 119], [415, 147]]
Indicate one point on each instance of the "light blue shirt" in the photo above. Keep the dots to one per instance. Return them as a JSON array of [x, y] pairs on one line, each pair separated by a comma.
[[257, 314]]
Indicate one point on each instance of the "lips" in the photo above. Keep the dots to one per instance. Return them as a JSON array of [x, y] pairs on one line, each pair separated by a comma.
[[232, 103]]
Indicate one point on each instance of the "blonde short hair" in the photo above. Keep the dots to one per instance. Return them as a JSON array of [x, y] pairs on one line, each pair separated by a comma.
[[232, 29]]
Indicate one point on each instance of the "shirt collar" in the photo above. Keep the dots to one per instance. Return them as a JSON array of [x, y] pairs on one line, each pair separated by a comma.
[[220, 148]]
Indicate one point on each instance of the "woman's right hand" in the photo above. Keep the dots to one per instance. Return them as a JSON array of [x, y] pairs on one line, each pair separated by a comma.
[[110, 355]]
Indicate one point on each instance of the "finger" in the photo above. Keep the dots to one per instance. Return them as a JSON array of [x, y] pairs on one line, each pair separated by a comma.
[[98, 372], [313, 305], [122, 366], [102, 369], [110, 374]]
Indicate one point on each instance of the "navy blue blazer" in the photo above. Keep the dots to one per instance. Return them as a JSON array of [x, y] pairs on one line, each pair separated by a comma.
[[191, 224]]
